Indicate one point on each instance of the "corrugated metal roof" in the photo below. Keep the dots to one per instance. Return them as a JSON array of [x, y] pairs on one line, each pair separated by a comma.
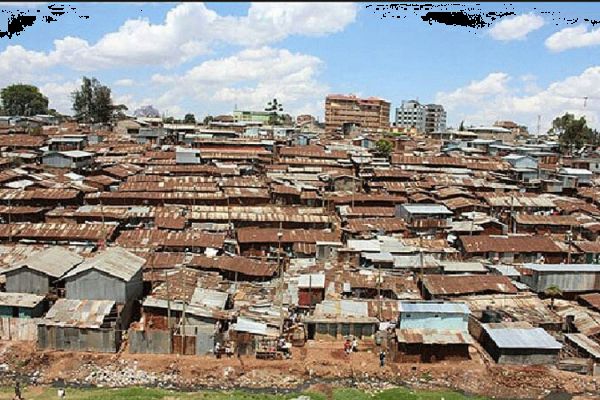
[[25, 300], [433, 307], [567, 268], [464, 284], [426, 209], [432, 336], [585, 343], [209, 298], [78, 313], [114, 261], [311, 281], [522, 338], [250, 326], [54, 261]]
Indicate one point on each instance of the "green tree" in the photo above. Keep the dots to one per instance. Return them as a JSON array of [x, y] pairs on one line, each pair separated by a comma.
[[169, 120], [23, 100], [573, 133], [274, 107], [189, 119], [92, 102], [207, 119], [461, 128], [384, 147], [553, 292]]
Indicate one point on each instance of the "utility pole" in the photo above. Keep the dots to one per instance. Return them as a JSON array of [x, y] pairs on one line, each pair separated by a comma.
[[379, 290], [9, 223], [512, 217], [279, 236], [168, 311], [569, 241]]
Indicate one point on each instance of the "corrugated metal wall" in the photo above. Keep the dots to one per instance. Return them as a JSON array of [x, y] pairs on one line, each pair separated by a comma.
[[149, 342], [67, 338], [25, 280], [18, 328], [95, 285]]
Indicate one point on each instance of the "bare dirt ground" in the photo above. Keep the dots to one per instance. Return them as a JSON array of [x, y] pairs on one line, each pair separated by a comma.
[[318, 363]]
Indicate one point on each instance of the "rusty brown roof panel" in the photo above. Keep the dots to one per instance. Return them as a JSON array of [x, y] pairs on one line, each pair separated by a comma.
[[269, 235], [439, 285], [509, 244], [243, 265]]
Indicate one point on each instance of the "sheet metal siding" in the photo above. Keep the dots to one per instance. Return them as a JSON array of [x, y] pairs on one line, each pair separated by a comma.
[[149, 342], [444, 322], [205, 340], [37, 311], [25, 280], [74, 339], [568, 282], [96, 285], [57, 161]]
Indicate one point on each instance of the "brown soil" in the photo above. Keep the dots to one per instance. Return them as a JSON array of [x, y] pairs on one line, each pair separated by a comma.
[[314, 362]]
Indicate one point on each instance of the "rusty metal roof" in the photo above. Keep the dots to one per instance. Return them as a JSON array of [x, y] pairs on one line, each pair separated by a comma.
[[243, 265], [464, 284], [556, 220], [269, 235], [144, 238], [509, 244], [52, 231], [432, 336], [89, 314]]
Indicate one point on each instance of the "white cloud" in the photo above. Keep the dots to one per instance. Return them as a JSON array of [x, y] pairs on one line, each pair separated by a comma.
[[523, 103], [190, 29], [249, 79], [125, 82], [572, 38], [59, 95], [516, 28]]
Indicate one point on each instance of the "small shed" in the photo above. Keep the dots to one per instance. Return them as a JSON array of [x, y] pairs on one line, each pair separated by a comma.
[[113, 274], [80, 325], [39, 273], [68, 159], [569, 278], [311, 289], [520, 345], [21, 305]]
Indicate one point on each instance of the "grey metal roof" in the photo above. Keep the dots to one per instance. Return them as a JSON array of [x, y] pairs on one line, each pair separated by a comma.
[[78, 313], [114, 261], [312, 281], [349, 308], [461, 266], [563, 267], [250, 326], [426, 209], [54, 261], [209, 298], [522, 338], [25, 300], [433, 307]]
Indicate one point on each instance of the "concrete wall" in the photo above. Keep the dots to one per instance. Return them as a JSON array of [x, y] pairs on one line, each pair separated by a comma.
[[528, 359], [25, 280], [447, 322], [75, 339], [97, 285]]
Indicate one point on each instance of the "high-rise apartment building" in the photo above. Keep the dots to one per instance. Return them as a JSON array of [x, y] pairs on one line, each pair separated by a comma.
[[342, 112], [425, 118]]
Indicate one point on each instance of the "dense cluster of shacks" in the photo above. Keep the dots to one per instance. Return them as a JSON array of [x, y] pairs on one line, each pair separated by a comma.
[[170, 238]]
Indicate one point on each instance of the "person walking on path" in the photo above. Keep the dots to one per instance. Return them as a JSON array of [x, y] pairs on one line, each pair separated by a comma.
[[382, 358]]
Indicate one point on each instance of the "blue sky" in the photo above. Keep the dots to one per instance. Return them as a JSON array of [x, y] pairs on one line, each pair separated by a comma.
[[207, 58]]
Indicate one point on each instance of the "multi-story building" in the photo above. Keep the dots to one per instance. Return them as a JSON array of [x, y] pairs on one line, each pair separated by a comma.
[[425, 118], [344, 112], [251, 116]]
